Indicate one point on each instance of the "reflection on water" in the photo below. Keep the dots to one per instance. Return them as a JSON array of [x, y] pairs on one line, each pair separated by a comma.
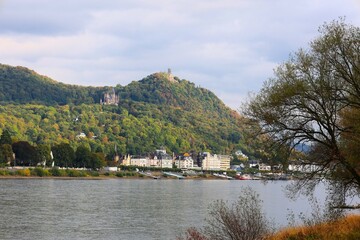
[[123, 209]]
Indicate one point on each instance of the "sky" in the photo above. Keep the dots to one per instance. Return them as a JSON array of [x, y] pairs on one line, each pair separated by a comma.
[[227, 46]]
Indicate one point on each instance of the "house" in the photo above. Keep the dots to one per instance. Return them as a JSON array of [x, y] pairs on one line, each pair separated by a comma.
[[254, 163], [241, 155], [160, 159], [237, 167], [184, 161], [305, 168], [81, 135], [164, 160], [126, 160], [139, 161], [264, 167]]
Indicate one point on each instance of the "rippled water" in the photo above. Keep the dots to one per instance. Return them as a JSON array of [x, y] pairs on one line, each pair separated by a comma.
[[122, 209]]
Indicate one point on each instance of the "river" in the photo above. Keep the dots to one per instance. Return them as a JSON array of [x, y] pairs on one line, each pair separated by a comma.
[[125, 209]]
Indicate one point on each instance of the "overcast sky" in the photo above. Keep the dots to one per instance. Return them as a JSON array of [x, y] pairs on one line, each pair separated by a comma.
[[227, 46]]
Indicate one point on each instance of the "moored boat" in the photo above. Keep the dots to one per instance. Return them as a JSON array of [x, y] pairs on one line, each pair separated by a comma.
[[243, 177]]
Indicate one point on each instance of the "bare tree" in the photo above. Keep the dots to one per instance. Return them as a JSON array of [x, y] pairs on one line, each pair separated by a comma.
[[242, 220]]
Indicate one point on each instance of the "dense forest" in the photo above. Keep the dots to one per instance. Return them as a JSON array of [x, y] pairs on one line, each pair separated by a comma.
[[151, 113], [22, 85]]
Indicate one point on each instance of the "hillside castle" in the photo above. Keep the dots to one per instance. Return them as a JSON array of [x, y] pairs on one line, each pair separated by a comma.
[[110, 98]]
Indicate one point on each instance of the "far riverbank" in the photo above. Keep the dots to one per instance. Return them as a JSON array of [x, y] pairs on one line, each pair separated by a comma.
[[72, 174]]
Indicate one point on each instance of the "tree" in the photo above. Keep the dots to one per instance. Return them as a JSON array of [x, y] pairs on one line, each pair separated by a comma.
[[82, 157], [64, 155], [25, 154], [309, 101], [96, 161], [43, 152], [5, 138], [6, 154]]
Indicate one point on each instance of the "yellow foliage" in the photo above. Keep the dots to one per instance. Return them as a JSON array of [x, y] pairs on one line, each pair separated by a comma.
[[23, 172], [345, 228]]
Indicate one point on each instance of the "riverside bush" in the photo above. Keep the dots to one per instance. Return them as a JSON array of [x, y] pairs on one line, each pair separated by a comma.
[[244, 219], [56, 172], [344, 228], [4, 172], [94, 173], [23, 172], [40, 172], [76, 173]]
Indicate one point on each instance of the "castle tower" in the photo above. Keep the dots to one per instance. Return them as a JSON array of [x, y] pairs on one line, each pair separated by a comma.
[[170, 76]]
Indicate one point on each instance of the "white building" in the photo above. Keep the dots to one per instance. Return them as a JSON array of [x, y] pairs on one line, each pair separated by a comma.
[[264, 167], [184, 161], [164, 160], [241, 155], [224, 162], [308, 168], [166, 163], [139, 161], [210, 162], [160, 160]]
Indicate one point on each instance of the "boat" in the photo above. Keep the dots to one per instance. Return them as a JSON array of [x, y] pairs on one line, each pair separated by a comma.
[[243, 177]]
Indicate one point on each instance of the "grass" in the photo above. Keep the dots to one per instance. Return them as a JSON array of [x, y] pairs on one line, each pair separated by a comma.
[[345, 228]]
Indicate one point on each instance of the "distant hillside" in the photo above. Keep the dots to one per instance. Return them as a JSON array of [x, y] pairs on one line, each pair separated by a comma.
[[158, 89], [21, 85], [157, 111]]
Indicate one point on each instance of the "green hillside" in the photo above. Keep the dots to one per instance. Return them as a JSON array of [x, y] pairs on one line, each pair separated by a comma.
[[157, 111], [21, 85]]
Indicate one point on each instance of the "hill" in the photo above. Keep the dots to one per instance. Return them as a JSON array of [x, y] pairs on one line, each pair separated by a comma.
[[22, 85], [159, 110]]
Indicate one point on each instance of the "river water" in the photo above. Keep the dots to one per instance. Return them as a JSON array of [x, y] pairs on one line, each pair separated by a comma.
[[124, 209]]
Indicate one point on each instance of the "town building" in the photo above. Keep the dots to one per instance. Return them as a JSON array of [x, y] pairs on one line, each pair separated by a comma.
[[224, 162], [184, 161], [210, 162], [264, 167], [164, 159], [241, 155], [139, 161], [159, 160]]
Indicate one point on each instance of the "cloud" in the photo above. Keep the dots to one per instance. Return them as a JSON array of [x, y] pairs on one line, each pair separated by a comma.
[[227, 46]]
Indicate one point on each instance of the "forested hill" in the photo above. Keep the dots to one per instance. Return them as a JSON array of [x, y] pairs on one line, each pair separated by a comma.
[[163, 89], [22, 85], [159, 110]]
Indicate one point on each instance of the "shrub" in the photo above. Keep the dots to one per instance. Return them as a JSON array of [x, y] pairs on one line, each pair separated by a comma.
[[344, 228], [56, 172], [23, 172], [4, 172], [94, 173], [76, 173], [40, 172], [129, 174], [119, 174], [244, 219]]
